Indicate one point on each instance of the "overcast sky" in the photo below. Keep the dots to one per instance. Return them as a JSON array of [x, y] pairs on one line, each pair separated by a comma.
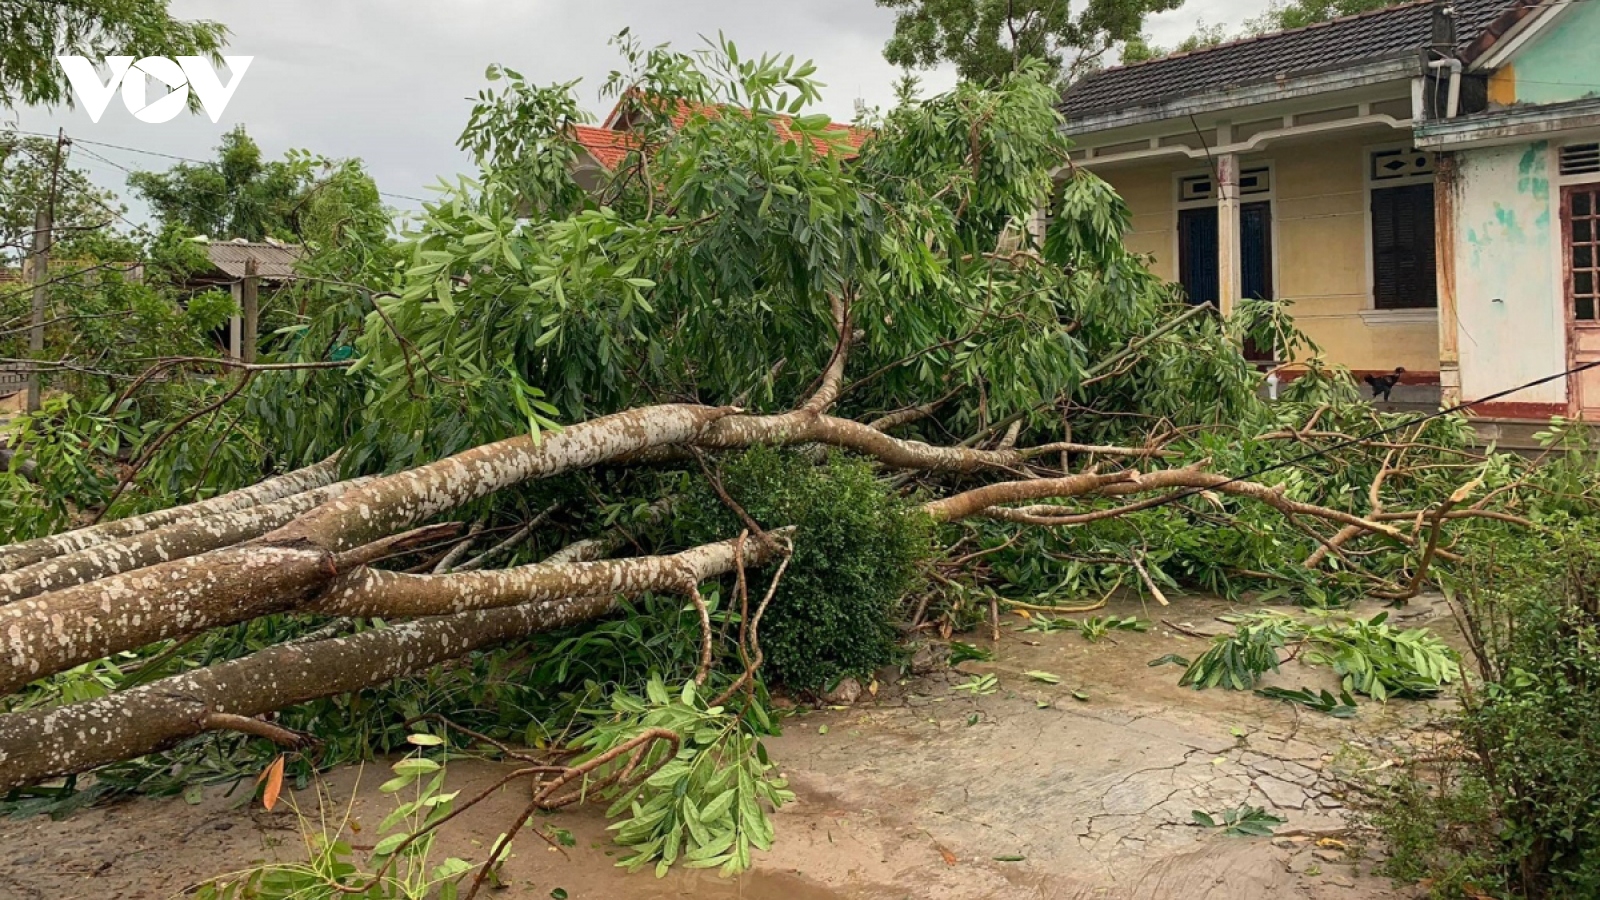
[[388, 80]]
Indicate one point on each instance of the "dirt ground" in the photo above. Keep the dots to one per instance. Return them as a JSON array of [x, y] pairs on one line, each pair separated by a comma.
[[923, 792]]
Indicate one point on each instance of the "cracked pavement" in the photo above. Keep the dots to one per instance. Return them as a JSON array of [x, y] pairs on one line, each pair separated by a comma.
[[920, 793], [1097, 796]]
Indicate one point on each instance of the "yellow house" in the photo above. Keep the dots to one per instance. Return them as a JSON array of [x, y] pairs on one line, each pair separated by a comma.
[[1317, 166]]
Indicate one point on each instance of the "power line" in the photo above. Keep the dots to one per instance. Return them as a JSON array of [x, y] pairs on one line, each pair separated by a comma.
[[1373, 435], [171, 156]]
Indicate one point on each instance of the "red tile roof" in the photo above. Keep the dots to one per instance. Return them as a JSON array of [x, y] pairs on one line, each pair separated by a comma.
[[607, 147], [610, 143]]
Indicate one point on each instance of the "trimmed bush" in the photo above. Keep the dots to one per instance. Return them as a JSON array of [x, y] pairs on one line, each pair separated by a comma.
[[858, 550]]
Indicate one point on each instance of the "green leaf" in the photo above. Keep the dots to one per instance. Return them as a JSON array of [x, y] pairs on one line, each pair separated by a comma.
[[1172, 659], [390, 843], [395, 784], [415, 766], [714, 809], [1046, 677]]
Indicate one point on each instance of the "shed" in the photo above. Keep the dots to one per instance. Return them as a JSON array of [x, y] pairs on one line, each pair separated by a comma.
[[231, 264]]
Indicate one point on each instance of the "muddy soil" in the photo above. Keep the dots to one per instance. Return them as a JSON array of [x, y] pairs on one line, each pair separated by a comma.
[[1082, 789]]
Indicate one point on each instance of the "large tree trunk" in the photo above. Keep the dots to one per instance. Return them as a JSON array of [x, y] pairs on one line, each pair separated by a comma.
[[277, 572], [27, 553], [41, 744], [178, 540]]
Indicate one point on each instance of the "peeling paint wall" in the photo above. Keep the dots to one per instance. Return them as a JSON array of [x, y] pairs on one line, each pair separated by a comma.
[[1323, 265], [1557, 65], [1508, 283]]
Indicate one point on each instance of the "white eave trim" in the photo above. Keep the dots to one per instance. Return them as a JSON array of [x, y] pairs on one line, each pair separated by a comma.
[[1256, 142], [1519, 35], [1393, 69], [1508, 126]]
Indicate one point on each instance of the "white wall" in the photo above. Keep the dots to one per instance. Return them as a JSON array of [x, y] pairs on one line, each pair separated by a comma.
[[1509, 294]]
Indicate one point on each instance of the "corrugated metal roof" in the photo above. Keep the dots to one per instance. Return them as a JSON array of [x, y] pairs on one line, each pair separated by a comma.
[[274, 262], [1367, 37]]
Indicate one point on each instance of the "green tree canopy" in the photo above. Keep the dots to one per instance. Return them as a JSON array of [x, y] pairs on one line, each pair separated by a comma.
[[26, 187], [1299, 13], [986, 39], [243, 195], [34, 32]]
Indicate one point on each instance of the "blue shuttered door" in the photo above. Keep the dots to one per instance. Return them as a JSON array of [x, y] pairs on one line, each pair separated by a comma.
[[1197, 254]]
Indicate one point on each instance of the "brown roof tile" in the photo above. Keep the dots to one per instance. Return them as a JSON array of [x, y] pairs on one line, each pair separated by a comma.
[[1367, 37]]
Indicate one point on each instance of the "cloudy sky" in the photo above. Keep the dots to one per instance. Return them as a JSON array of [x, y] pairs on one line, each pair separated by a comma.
[[388, 80]]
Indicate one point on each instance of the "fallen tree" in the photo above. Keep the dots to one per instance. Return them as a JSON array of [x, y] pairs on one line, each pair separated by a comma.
[[1065, 415]]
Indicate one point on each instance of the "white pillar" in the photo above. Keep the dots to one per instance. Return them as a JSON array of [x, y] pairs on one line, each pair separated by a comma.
[[1228, 278], [235, 323]]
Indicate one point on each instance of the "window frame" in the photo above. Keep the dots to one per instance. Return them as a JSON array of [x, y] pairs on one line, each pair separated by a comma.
[[1374, 314], [1569, 246]]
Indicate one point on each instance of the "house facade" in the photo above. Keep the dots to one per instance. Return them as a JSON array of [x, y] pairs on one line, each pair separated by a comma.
[[1420, 182]]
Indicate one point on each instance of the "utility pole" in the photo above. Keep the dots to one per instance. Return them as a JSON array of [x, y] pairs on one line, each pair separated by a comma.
[[43, 226], [249, 307]]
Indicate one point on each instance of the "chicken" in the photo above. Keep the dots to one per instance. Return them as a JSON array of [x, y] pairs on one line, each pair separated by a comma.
[[1382, 384]]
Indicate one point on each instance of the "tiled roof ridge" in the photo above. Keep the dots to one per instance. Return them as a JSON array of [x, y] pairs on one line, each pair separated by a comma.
[[1389, 34], [1271, 35]]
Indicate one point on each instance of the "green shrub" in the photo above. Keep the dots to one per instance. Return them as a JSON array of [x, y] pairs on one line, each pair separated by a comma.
[[857, 552], [1442, 835], [1518, 810], [1536, 722]]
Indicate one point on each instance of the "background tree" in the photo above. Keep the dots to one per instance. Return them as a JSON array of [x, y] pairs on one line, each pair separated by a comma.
[[1299, 13], [1140, 49], [34, 32], [986, 39], [118, 303], [26, 163], [241, 194]]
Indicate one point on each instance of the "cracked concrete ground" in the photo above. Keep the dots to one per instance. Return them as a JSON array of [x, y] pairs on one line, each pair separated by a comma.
[[922, 792]]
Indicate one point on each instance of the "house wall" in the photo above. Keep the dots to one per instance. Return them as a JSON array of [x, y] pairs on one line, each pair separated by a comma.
[[1509, 291], [1324, 266], [1151, 194], [1320, 248], [1557, 64]]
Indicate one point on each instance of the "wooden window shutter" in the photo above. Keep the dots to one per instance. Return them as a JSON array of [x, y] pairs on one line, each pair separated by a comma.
[[1403, 273]]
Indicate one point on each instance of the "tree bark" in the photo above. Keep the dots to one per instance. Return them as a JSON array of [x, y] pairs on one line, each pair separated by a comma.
[[41, 744], [179, 540], [377, 593], [27, 553], [53, 632]]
